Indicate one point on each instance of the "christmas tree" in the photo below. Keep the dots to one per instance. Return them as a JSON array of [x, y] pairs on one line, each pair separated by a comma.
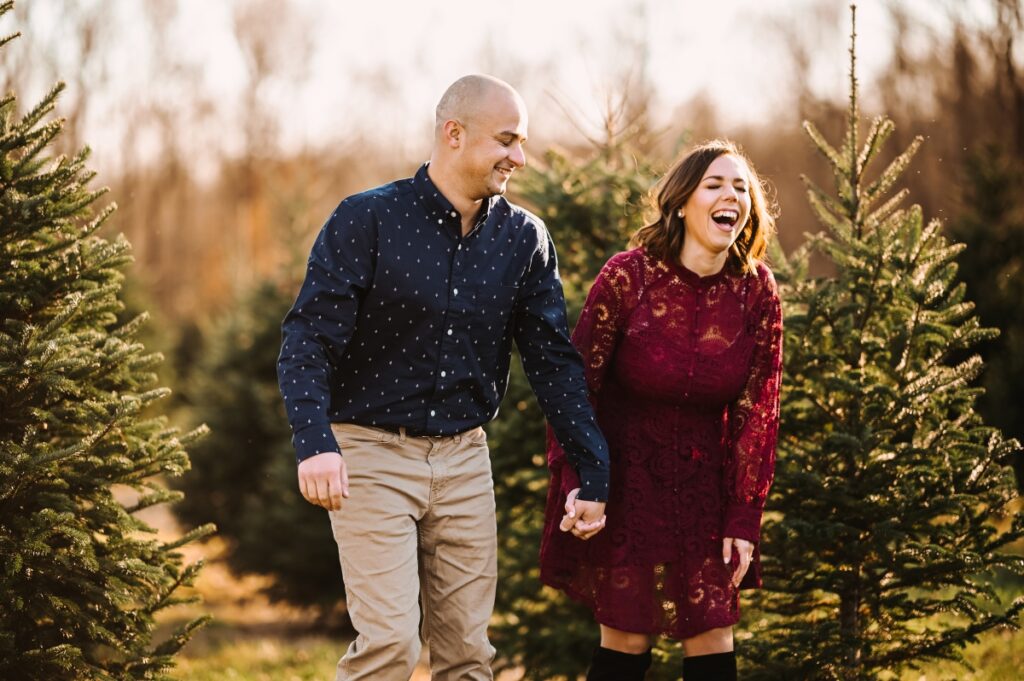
[[81, 575], [591, 206], [992, 229], [891, 517], [243, 475]]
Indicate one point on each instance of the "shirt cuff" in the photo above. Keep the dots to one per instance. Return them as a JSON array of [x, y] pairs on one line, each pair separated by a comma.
[[593, 485], [742, 522], [570, 479], [313, 440]]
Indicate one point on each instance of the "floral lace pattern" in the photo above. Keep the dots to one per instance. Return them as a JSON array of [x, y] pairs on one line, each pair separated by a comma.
[[684, 374]]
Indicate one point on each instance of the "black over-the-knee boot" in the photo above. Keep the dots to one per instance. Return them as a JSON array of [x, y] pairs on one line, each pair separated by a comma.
[[612, 665], [715, 667]]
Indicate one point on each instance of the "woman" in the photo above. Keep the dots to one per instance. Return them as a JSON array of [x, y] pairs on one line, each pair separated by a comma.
[[681, 338]]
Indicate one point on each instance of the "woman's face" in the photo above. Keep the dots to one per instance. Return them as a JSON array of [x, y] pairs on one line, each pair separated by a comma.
[[718, 209]]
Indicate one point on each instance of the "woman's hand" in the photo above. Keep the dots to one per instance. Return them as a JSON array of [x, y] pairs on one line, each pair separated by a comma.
[[737, 548], [583, 518]]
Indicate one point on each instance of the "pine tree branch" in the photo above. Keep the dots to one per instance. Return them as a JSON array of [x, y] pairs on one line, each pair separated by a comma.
[[892, 172], [956, 638], [8, 38], [881, 129]]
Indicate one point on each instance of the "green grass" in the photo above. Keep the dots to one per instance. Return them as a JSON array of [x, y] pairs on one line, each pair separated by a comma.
[[998, 656], [262, 659]]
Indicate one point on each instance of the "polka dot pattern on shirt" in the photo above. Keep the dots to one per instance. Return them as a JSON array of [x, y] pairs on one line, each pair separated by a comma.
[[403, 321]]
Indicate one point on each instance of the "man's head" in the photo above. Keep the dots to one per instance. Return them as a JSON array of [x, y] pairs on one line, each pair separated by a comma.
[[479, 132]]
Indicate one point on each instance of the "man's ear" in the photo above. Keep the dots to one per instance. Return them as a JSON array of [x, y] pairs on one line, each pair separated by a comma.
[[453, 133]]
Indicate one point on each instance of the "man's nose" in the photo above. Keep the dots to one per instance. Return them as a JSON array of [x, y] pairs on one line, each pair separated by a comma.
[[517, 155]]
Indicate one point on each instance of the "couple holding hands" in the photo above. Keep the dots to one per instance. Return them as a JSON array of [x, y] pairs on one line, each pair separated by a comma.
[[662, 407]]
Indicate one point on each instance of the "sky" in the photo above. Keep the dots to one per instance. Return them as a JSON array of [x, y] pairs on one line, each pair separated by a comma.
[[376, 68]]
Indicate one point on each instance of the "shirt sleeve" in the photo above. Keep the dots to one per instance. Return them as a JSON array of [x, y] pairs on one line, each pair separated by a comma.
[[317, 329], [555, 371], [595, 337], [754, 423]]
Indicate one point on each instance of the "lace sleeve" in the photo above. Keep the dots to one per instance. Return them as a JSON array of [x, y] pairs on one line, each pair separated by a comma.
[[754, 422], [595, 337]]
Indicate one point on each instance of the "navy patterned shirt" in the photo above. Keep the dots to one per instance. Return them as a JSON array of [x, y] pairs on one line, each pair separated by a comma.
[[402, 321]]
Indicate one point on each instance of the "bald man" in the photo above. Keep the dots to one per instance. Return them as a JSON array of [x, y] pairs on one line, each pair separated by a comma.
[[394, 355]]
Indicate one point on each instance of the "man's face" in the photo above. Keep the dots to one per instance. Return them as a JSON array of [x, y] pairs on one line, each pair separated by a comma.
[[492, 145]]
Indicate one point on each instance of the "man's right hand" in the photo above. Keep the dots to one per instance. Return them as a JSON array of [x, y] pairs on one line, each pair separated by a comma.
[[323, 480]]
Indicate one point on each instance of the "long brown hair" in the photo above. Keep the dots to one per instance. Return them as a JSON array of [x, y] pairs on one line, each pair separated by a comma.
[[663, 238]]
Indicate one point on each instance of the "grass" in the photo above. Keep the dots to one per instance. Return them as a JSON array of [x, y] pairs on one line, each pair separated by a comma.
[[305, 658], [998, 656]]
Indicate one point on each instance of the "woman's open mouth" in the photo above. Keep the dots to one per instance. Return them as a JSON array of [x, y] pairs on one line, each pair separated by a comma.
[[726, 218]]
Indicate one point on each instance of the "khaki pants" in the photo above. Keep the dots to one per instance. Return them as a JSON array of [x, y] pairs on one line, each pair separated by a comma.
[[418, 546]]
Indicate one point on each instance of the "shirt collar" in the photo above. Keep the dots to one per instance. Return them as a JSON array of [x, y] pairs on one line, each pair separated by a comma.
[[435, 200]]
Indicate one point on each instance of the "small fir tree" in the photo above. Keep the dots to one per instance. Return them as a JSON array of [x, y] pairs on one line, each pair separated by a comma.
[[991, 227], [81, 575], [591, 207], [244, 475], [891, 512]]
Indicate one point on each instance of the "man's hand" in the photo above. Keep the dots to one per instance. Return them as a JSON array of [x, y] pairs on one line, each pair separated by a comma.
[[583, 518], [323, 480], [744, 551]]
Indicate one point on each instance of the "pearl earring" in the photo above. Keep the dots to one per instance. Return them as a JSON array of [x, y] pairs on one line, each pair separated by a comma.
[[680, 212]]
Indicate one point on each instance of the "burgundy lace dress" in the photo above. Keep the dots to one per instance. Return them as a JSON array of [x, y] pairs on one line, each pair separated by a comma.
[[684, 373]]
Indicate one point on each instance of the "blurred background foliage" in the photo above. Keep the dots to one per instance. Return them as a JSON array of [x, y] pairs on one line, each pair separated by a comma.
[[219, 241]]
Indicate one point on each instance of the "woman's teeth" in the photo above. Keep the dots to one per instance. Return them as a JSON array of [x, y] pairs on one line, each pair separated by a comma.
[[725, 217]]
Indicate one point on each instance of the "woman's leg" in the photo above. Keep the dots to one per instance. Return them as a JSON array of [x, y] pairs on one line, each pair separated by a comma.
[[622, 656], [710, 656], [624, 641]]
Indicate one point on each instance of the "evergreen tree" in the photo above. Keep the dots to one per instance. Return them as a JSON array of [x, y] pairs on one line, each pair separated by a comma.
[[244, 474], [992, 230], [891, 512], [591, 207], [81, 575]]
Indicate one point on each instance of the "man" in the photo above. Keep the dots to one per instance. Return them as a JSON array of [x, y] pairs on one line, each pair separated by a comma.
[[395, 352]]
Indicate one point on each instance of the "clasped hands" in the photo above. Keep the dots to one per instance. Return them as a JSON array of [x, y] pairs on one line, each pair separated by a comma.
[[583, 518]]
